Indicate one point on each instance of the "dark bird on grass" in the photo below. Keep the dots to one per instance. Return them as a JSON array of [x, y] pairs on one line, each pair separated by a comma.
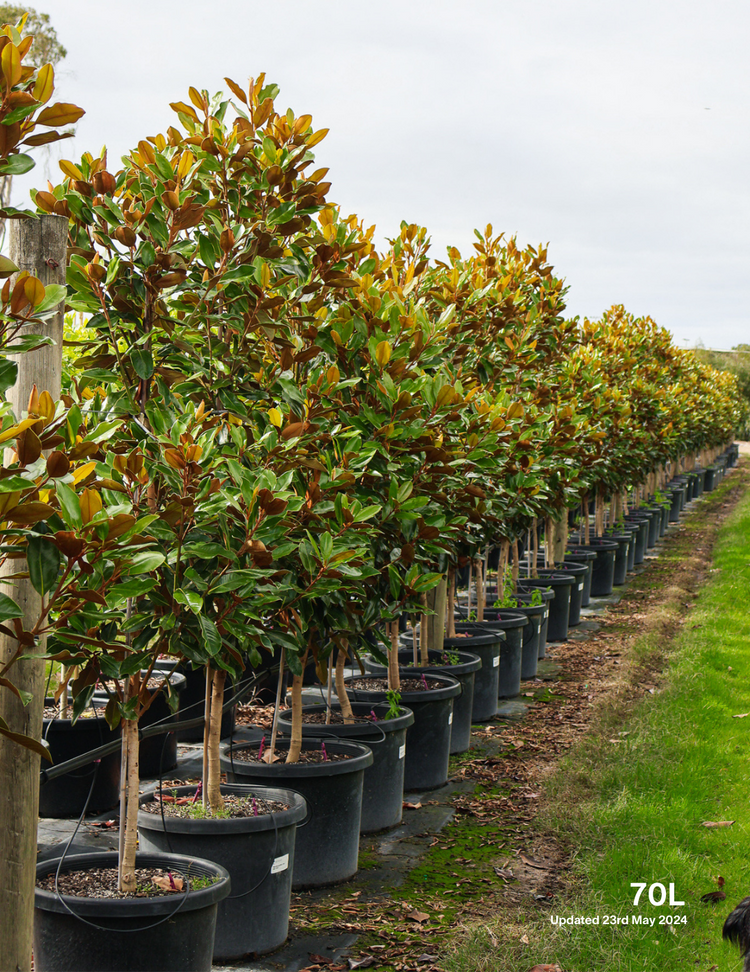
[[737, 930]]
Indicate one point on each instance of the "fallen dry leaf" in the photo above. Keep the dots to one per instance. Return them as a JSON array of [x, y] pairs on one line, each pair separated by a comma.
[[531, 862], [269, 757], [418, 916], [412, 806], [524, 939], [546, 968], [168, 882], [503, 872], [717, 823], [742, 715], [362, 963], [319, 959]]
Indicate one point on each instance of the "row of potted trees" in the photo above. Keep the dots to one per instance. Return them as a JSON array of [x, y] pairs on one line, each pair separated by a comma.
[[277, 441]]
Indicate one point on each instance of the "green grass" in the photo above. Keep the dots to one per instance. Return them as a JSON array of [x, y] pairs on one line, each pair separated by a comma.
[[633, 810]]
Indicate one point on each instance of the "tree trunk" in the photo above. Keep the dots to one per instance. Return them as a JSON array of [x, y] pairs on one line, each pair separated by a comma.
[[394, 675], [130, 838], [346, 706], [585, 517], [212, 783], [424, 634], [295, 742], [451, 612], [207, 696], [436, 599], [514, 575], [534, 547], [271, 752], [39, 246]]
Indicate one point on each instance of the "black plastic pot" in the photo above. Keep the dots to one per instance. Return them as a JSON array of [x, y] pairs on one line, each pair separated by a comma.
[[474, 671], [579, 554], [383, 783], [559, 606], [603, 566], [193, 700], [327, 846], [66, 795], [257, 852], [709, 479], [535, 615], [654, 515], [639, 523], [525, 598], [576, 571], [171, 933], [428, 739], [511, 624], [156, 754], [624, 542]]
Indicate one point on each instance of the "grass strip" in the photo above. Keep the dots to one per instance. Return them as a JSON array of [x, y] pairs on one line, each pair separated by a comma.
[[630, 803]]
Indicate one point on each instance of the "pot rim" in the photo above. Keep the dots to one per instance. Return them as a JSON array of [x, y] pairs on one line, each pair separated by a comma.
[[361, 758], [162, 905]]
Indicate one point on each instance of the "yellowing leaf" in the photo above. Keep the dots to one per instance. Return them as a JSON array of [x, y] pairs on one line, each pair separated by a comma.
[[275, 417], [46, 406], [236, 90], [34, 290], [83, 471], [91, 503], [515, 411], [187, 160], [11, 64], [14, 430], [383, 353], [317, 137], [195, 97], [70, 170], [44, 84]]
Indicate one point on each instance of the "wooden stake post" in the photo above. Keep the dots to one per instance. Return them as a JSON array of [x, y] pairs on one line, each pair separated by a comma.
[[38, 246]]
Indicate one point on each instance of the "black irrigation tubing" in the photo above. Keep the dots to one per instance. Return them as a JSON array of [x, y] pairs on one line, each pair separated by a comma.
[[157, 729]]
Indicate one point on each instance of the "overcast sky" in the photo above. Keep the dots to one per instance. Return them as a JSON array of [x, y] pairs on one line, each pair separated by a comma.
[[614, 130]]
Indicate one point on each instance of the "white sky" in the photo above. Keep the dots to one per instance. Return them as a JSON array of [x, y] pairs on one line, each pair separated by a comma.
[[615, 130]]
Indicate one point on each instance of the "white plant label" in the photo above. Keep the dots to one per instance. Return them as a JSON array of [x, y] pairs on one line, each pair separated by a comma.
[[450, 719], [496, 661], [580, 586], [402, 751], [280, 864]]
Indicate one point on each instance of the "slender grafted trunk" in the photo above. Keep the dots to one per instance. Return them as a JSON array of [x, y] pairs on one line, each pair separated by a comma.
[[502, 566], [394, 675], [514, 575], [206, 732], [424, 634], [295, 742], [212, 783], [585, 517], [436, 601], [624, 502], [329, 692], [270, 753], [468, 591], [414, 643], [346, 706], [534, 547], [130, 840], [451, 613], [599, 513], [480, 591], [549, 542]]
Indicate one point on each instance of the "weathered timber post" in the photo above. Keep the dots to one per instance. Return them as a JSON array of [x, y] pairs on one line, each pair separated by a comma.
[[38, 246]]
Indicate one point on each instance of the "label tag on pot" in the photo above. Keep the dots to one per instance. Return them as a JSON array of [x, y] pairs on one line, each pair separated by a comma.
[[402, 751], [496, 661], [450, 719], [280, 864], [580, 586]]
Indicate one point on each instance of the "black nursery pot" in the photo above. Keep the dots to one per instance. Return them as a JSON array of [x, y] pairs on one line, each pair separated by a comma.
[[559, 608], [156, 754], [603, 566], [581, 555], [641, 524], [258, 854], [469, 666], [428, 739], [512, 624], [580, 572], [623, 541], [524, 598], [327, 846], [171, 933], [383, 782], [66, 795]]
